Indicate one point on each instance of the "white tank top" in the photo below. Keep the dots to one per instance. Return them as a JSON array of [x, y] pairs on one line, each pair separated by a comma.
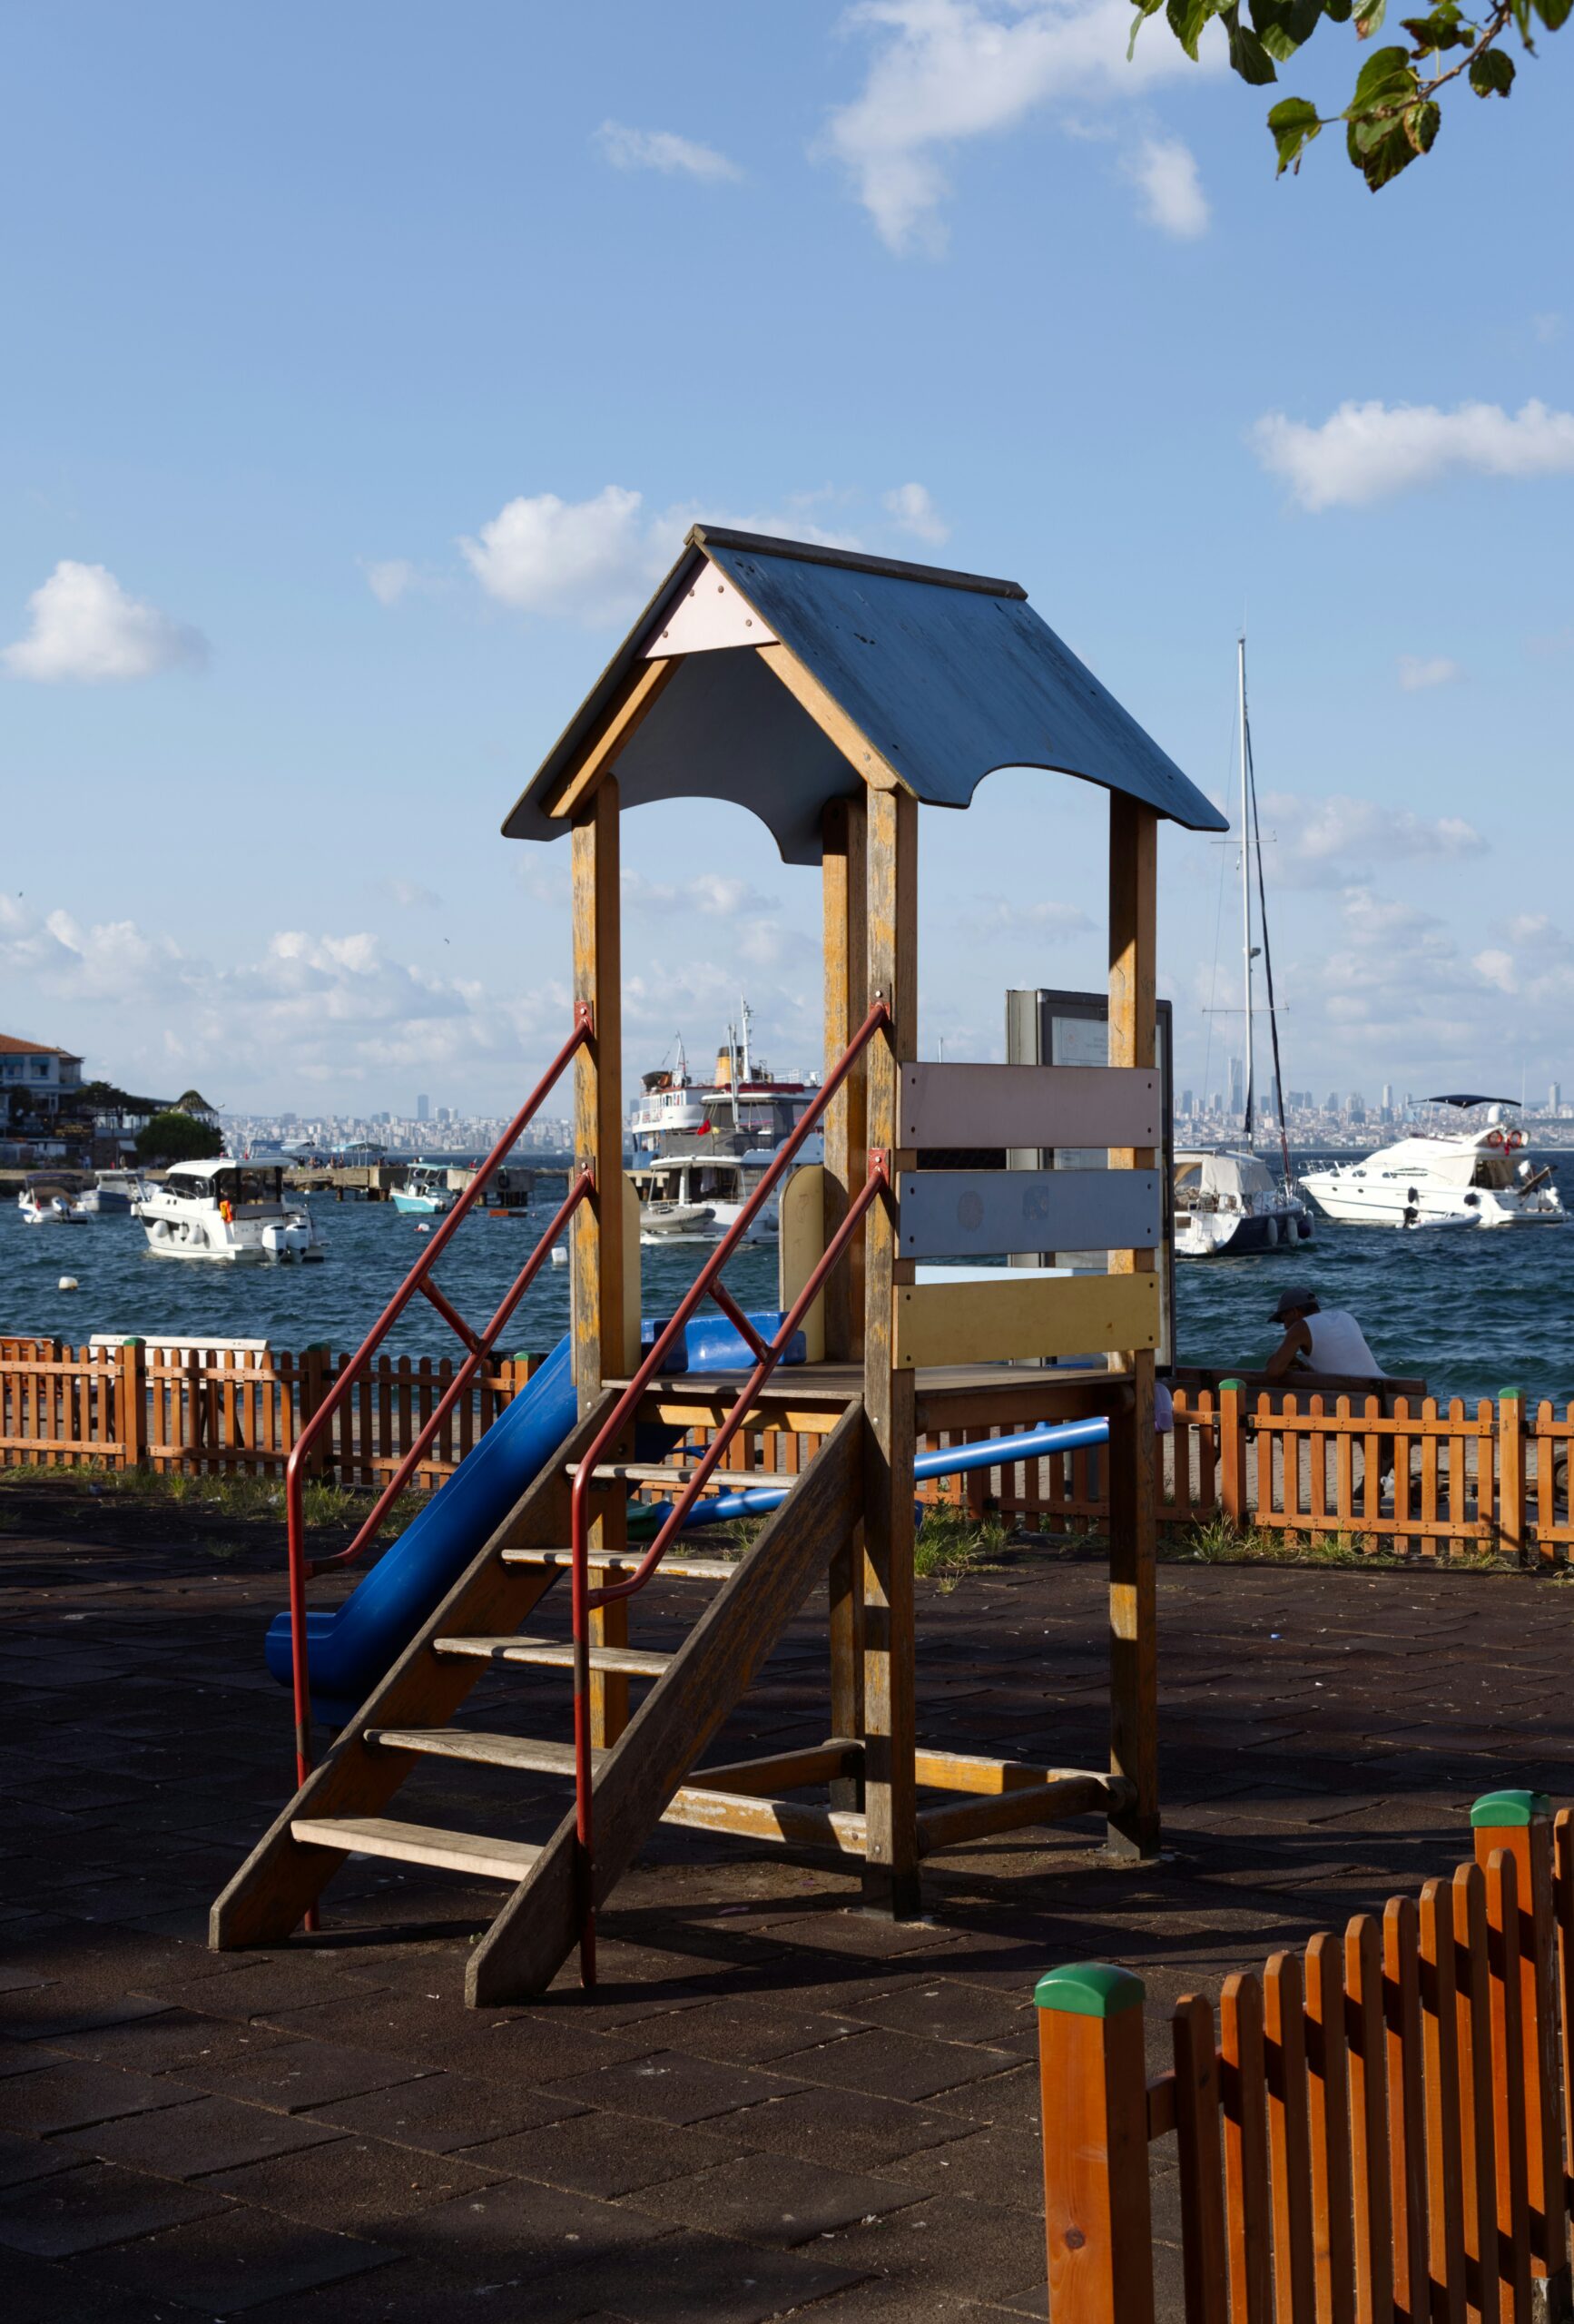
[[1339, 1344]]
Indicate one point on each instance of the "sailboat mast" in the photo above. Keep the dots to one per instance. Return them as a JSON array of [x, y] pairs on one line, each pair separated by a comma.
[[1251, 1090]]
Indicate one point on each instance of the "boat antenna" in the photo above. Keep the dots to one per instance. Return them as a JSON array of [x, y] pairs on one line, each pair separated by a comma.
[[1256, 835]]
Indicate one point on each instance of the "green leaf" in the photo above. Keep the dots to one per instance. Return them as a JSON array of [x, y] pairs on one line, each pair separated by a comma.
[[1283, 25], [1441, 30], [1380, 149], [1248, 58], [1188, 19], [1491, 74], [1386, 78], [1145, 9], [1294, 124], [1554, 13], [1339, 12], [1369, 15]]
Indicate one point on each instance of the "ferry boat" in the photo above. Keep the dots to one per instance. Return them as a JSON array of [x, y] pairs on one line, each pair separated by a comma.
[[227, 1210], [1228, 1203], [425, 1192], [1483, 1175], [706, 1145]]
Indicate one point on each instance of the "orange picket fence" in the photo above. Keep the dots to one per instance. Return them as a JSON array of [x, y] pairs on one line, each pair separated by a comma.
[[1379, 1472], [1374, 2128]]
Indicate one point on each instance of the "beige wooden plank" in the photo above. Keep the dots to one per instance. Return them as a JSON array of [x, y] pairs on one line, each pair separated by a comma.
[[478, 1748], [1075, 1792], [1030, 1104], [1024, 1316], [555, 1654], [788, 1822], [507, 1860]]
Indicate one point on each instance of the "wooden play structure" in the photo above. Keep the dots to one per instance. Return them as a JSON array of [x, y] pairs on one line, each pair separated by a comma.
[[832, 695]]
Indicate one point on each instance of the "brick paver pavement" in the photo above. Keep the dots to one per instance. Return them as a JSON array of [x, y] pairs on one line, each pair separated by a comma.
[[773, 2104]]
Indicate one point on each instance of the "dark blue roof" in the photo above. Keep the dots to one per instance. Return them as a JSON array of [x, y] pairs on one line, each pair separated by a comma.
[[946, 675]]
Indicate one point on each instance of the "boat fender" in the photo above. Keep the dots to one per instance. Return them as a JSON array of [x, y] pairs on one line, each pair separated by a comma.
[[1271, 1237], [67, 1283]]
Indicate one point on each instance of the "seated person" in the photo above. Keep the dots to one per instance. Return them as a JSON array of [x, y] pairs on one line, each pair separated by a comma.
[[1319, 1340]]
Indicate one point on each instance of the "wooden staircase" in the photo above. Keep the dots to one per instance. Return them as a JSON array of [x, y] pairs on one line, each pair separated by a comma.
[[637, 1783]]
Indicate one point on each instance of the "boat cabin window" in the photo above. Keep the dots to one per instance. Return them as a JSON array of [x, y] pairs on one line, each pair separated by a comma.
[[243, 1187], [1493, 1170], [187, 1190]]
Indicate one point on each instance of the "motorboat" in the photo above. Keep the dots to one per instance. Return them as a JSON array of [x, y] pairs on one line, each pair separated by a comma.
[[227, 1210], [425, 1192], [1228, 1203], [114, 1193], [46, 1201], [1483, 1175], [677, 1222], [719, 1185]]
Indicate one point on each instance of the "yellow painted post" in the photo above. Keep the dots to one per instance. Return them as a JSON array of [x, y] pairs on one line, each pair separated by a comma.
[[1093, 2086]]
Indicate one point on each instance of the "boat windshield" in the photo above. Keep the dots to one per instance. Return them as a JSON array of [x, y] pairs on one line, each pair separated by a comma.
[[245, 1187]]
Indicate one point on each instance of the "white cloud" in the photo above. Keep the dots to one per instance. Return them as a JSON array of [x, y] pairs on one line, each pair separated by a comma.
[[388, 577], [947, 70], [1165, 173], [916, 513], [1052, 923], [595, 561], [587, 559], [411, 896], [85, 626], [1369, 452], [659, 149], [1418, 671], [1336, 840], [713, 894]]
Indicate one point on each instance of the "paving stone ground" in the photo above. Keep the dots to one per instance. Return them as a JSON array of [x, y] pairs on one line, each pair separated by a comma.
[[773, 2104]]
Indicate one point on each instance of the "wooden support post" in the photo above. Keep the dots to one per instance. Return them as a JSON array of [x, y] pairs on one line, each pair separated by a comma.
[[131, 1397], [1520, 1824], [891, 1876], [1133, 1528], [1510, 1474], [600, 1351], [1098, 2210], [843, 882]]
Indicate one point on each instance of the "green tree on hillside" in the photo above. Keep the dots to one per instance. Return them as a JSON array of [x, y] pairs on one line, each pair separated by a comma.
[[175, 1137], [1393, 115]]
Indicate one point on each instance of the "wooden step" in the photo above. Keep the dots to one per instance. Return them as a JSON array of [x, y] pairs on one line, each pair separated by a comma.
[[555, 1654], [521, 1751], [670, 1569], [636, 1472], [506, 1860]]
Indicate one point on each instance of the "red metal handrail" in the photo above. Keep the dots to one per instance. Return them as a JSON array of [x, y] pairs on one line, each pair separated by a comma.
[[300, 1566], [768, 1356]]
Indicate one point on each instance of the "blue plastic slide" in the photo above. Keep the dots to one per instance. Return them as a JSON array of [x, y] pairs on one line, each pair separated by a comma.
[[352, 1649]]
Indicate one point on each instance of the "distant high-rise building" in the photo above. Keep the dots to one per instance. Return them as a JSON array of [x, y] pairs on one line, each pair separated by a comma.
[[423, 1109], [1332, 1106], [1388, 1101], [445, 1113], [1554, 1097], [1356, 1109], [1187, 1105], [1215, 1102], [1237, 1085]]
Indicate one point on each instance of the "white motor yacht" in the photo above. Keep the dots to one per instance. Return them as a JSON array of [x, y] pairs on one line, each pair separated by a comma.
[[225, 1209], [1229, 1203], [1483, 1175], [677, 1222]]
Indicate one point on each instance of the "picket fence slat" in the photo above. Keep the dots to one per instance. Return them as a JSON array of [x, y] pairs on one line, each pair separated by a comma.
[[1196, 2109], [1289, 2141], [1444, 2159], [1328, 2091], [1371, 2202]]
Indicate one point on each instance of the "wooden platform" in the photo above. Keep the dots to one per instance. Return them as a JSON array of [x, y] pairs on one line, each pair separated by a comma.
[[810, 1398]]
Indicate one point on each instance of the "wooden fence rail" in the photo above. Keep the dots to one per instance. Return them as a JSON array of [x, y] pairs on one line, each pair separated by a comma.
[[1376, 2128], [1378, 1473]]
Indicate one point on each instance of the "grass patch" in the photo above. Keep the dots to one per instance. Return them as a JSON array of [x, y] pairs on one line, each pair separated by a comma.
[[951, 1544], [1218, 1543], [245, 1499]]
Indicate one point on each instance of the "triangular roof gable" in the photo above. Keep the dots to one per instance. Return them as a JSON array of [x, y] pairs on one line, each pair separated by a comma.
[[946, 676]]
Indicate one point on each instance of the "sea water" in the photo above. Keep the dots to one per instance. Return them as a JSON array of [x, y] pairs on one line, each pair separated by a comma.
[[1471, 1312]]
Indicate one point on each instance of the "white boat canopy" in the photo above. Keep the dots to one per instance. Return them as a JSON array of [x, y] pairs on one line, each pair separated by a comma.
[[1222, 1174]]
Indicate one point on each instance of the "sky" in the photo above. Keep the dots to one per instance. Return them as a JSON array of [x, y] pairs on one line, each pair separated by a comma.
[[366, 366]]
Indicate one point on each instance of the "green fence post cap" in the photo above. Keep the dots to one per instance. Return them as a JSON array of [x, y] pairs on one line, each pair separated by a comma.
[[1505, 1394], [1089, 1989], [134, 1343], [1498, 1808], [1230, 1384]]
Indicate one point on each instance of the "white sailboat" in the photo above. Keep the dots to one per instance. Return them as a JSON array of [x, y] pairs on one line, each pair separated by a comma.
[[1226, 1201]]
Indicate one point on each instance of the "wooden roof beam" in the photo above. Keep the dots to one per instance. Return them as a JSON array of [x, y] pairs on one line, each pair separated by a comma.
[[633, 705]]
